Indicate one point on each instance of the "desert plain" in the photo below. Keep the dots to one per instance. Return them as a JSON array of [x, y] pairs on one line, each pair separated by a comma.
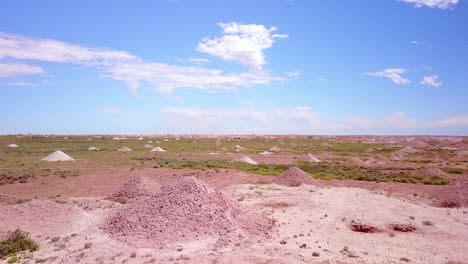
[[235, 199]]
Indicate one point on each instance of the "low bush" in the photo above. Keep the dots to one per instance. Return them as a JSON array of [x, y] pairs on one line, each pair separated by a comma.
[[15, 242]]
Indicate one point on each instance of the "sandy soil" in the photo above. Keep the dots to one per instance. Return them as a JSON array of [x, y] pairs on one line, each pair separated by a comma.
[[313, 225]]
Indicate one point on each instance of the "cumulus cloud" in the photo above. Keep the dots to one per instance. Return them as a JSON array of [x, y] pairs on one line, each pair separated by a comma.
[[243, 43], [393, 74], [13, 69], [123, 66], [166, 78], [431, 81], [442, 4], [21, 47]]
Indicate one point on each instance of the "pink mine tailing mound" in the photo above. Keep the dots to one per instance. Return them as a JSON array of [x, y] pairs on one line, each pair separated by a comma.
[[433, 172], [138, 187], [455, 194], [295, 177], [187, 210]]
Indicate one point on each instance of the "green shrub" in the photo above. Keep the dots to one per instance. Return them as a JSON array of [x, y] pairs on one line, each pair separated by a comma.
[[17, 241]]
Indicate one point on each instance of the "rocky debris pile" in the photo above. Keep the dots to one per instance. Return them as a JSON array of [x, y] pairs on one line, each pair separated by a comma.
[[93, 149], [187, 210], [137, 188], [148, 146], [294, 177]]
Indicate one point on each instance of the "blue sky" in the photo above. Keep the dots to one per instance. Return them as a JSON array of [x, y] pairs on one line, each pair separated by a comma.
[[268, 67]]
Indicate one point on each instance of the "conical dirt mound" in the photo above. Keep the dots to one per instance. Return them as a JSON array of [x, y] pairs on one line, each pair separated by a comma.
[[294, 177], [158, 149], [246, 160], [353, 161], [455, 194], [311, 158], [58, 156], [124, 149], [433, 172], [185, 211], [136, 188]]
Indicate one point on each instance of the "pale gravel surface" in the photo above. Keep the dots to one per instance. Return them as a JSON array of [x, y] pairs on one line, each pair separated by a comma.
[[317, 217]]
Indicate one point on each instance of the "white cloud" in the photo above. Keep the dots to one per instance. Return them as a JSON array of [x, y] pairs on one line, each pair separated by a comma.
[[20, 83], [210, 116], [297, 120], [431, 81], [456, 121], [397, 120], [199, 60], [293, 75], [442, 4], [123, 66], [14, 69], [419, 42], [25, 48], [166, 78], [241, 43], [393, 74], [110, 110]]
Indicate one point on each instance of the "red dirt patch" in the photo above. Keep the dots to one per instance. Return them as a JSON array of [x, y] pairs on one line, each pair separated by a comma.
[[277, 205], [402, 228], [363, 228], [186, 210]]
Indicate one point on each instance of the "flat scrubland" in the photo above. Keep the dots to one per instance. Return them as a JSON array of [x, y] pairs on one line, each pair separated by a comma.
[[373, 199]]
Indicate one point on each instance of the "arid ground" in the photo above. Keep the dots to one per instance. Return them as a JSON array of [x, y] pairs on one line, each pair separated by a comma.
[[362, 199]]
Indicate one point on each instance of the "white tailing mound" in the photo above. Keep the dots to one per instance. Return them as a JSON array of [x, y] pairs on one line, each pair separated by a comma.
[[376, 160], [150, 142], [187, 210], [137, 188], [148, 146], [275, 149], [311, 158], [239, 148], [294, 177], [58, 156], [246, 160], [356, 162], [12, 146], [93, 149], [124, 149], [265, 153], [158, 149]]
